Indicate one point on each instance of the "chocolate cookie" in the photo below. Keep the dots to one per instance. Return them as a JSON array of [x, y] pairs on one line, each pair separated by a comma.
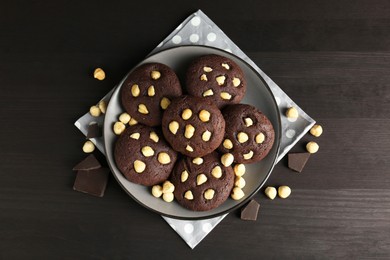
[[249, 135], [193, 126], [143, 156], [202, 183], [148, 91], [216, 78]]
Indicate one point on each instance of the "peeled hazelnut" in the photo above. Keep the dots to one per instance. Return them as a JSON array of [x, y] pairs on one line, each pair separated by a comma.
[[248, 121], [155, 74], [220, 80], [236, 82], [292, 112], [203, 77], [95, 111], [209, 194], [200, 179], [260, 138], [239, 169], [168, 197], [163, 158], [270, 192], [239, 182], [208, 92], [139, 166], [124, 118], [242, 137], [316, 130], [119, 127], [225, 65], [217, 172], [184, 176], [135, 91], [189, 131], [147, 151], [99, 74], [189, 148], [188, 195], [197, 160], [154, 137], [284, 191], [135, 136], [225, 95], [102, 106], [187, 113], [133, 121], [164, 103], [207, 69], [227, 159], [227, 144], [237, 193], [151, 91], [173, 127], [168, 187], [88, 147], [248, 155], [143, 109], [204, 115], [312, 147], [157, 191], [206, 136]]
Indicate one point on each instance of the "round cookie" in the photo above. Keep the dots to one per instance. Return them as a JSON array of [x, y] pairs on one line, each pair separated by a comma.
[[202, 183], [147, 92], [249, 135], [143, 156], [193, 126], [216, 78]]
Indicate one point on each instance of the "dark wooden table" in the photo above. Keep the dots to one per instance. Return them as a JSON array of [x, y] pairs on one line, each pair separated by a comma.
[[331, 57]]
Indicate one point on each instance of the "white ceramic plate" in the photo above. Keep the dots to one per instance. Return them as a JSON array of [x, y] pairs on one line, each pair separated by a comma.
[[258, 94]]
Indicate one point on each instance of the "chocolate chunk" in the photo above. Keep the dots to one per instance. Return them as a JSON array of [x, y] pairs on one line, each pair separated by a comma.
[[92, 182], [249, 212], [94, 130], [296, 161], [89, 163]]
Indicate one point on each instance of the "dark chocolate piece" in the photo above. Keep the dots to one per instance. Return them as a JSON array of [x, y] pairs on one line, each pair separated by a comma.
[[296, 161], [249, 212], [89, 163], [94, 130], [92, 182]]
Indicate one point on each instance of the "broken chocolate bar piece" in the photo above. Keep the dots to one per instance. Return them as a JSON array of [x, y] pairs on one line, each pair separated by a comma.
[[92, 182], [89, 163], [296, 161], [94, 130], [249, 212]]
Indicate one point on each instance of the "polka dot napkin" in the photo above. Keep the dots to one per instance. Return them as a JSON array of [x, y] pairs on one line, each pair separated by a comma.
[[198, 29]]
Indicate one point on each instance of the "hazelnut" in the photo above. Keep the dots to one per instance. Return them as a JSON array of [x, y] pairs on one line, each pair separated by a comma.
[[157, 191], [242, 137], [209, 194], [189, 132], [187, 113], [207, 69], [143, 109], [102, 106], [227, 144], [188, 195], [248, 121], [95, 111], [124, 118], [284, 191], [225, 95], [133, 122], [239, 182], [135, 136], [155, 74], [154, 137], [119, 127], [270, 192], [248, 155], [204, 115], [189, 148], [203, 77], [184, 176], [208, 92], [292, 112], [173, 127], [227, 159], [88, 147], [217, 172], [236, 82], [147, 151], [168, 187], [226, 66], [135, 91], [200, 179], [99, 74], [151, 91], [312, 147], [164, 103], [197, 160], [206, 136], [316, 130], [220, 80], [259, 138], [168, 197], [239, 169], [163, 158], [139, 166], [237, 193]]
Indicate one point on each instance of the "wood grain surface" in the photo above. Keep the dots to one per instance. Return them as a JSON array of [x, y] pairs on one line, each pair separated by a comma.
[[331, 57]]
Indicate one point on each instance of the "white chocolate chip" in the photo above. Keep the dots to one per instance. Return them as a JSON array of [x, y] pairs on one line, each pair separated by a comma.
[[133, 121], [316, 130], [189, 131], [207, 69], [187, 113], [236, 82], [197, 160], [99, 74], [102, 106], [163, 158], [206, 136], [135, 136], [237, 193], [157, 191], [209, 194], [168, 187], [312, 147], [204, 115], [227, 144], [139, 166], [242, 137], [208, 92], [239, 182], [168, 197], [188, 195], [248, 121], [155, 74], [154, 137], [292, 112], [119, 127], [151, 91], [260, 138], [88, 147], [220, 80], [124, 118], [147, 151], [143, 109], [248, 155], [284, 191], [189, 148], [164, 103], [95, 111], [200, 179], [239, 169], [203, 77], [225, 95], [184, 176], [227, 159], [135, 91], [217, 172], [173, 127], [270, 192], [226, 66]]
